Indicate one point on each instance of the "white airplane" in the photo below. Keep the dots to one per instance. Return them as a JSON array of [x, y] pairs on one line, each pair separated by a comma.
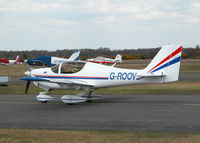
[[103, 60], [90, 76], [51, 61]]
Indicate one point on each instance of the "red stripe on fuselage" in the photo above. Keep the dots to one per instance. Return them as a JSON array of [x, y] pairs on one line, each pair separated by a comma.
[[101, 62], [168, 57]]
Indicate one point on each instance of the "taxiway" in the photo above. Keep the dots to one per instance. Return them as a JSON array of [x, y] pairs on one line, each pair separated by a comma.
[[114, 112]]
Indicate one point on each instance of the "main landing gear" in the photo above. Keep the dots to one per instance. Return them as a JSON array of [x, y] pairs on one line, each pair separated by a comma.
[[86, 96], [43, 102]]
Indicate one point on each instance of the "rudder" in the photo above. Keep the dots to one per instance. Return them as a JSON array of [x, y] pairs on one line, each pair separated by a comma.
[[166, 63]]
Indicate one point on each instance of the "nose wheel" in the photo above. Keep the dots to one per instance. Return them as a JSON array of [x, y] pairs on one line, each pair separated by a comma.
[[70, 103], [43, 98]]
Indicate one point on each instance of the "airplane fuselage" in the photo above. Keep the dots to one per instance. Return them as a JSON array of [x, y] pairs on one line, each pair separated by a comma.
[[96, 75]]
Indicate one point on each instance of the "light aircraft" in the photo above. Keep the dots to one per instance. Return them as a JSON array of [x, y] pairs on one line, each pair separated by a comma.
[[103, 60], [4, 61], [90, 76], [51, 61]]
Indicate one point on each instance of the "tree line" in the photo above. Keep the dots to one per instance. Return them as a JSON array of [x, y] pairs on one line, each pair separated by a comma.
[[127, 54]]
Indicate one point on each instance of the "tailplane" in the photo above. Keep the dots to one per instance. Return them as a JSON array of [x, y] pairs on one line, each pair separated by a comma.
[[74, 56], [166, 63], [17, 60], [118, 59]]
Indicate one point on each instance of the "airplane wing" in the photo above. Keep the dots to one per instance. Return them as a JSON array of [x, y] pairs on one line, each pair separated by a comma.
[[72, 82], [33, 79], [59, 81], [74, 56]]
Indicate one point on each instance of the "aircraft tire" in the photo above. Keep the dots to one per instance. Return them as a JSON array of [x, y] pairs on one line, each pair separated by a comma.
[[70, 103], [43, 102]]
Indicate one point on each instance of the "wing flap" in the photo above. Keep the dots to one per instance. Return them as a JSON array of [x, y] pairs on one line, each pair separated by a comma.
[[72, 82]]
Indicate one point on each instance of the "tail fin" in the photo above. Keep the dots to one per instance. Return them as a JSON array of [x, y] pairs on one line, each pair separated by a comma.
[[17, 60], [118, 59], [74, 56], [166, 63]]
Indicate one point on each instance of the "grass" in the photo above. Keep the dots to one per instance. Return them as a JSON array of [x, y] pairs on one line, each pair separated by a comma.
[[13, 70], [191, 67], [67, 136]]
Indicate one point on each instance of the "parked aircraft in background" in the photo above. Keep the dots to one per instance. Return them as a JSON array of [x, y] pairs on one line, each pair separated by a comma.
[[90, 76], [4, 80], [4, 61], [51, 61], [103, 60]]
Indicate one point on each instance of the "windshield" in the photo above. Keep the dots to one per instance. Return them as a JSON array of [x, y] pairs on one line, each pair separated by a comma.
[[55, 69], [71, 67], [100, 58]]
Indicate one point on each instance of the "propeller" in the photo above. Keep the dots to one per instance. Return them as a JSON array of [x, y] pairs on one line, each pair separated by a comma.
[[28, 73], [27, 86]]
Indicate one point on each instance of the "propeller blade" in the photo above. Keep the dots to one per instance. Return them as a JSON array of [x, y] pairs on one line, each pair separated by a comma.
[[27, 86]]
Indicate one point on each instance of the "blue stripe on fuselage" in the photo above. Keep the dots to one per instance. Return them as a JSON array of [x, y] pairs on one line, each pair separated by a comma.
[[33, 79], [68, 77]]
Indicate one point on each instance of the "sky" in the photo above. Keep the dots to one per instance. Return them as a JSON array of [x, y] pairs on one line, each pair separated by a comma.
[[116, 24]]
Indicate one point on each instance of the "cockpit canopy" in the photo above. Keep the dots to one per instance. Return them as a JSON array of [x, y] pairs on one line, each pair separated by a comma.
[[100, 58], [68, 67]]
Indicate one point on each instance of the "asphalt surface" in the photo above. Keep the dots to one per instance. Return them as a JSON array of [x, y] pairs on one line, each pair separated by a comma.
[[189, 77], [114, 112]]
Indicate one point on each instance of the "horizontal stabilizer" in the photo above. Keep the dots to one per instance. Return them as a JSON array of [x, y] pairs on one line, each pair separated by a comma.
[[151, 75]]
